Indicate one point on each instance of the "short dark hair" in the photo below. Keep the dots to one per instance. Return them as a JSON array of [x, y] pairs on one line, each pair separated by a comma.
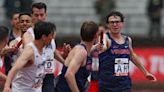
[[88, 31], [14, 13], [115, 13], [24, 13], [39, 5], [43, 28], [4, 32]]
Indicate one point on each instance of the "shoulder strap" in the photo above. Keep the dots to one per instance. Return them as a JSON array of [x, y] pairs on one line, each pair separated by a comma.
[[126, 38], [84, 46], [108, 35]]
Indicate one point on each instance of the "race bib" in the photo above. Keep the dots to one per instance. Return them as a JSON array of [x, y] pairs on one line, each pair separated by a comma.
[[49, 66], [121, 67]]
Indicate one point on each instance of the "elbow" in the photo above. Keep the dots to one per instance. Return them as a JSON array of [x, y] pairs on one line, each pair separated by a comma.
[[68, 75]]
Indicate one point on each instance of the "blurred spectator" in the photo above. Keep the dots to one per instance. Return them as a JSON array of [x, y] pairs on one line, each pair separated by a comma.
[[15, 30], [103, 7], [14, 33], [12, 6], [154, 10], [4, 32]]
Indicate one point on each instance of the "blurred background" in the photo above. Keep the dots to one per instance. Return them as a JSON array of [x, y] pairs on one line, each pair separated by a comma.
[[68, 15], [144, 22]]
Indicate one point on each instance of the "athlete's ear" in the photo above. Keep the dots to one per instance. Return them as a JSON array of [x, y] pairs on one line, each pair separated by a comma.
[[54, 34], [46, 15], [44, 37]]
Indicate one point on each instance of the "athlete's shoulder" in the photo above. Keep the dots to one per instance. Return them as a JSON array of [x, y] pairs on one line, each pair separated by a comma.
[[30, 29]]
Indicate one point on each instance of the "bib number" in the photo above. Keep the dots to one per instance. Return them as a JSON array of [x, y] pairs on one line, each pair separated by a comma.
[[49, 66], [121, 67]]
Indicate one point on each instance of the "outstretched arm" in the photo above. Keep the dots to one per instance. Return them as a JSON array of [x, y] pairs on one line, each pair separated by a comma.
[[103, 44], [136, 61], [60, 56]]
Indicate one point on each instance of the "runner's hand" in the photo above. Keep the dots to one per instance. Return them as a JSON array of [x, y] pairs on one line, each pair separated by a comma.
[[66, 49], [151, 77]]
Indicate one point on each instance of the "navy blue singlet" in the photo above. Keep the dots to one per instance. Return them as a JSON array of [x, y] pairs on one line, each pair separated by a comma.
[[11, 36], [81, 78], [114, 67]]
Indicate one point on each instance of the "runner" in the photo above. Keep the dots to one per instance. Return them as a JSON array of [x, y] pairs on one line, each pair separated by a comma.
[[114, 61], [28, 71], [78, 63]]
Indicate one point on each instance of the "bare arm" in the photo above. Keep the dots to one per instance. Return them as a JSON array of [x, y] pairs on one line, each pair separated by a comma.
[[74, 65], [58, 57], [26, 55], [136, 61]]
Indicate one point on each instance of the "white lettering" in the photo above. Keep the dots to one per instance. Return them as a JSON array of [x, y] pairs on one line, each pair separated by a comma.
[[161, 65], [154, 64], [157, 64]]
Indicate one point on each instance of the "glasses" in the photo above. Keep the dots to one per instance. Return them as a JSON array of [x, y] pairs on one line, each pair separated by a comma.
[[112, 22]]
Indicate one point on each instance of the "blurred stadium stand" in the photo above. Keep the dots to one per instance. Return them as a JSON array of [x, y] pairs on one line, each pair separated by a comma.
[[137, 23], [68, 15], [2, 13]]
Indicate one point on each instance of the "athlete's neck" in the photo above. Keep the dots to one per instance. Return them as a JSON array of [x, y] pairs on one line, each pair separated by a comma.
[[118, 38], [115, 35], [88, 45], [16, 32]]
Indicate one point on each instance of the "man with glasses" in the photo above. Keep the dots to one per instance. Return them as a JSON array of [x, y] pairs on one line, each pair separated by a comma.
[[115, 58]]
